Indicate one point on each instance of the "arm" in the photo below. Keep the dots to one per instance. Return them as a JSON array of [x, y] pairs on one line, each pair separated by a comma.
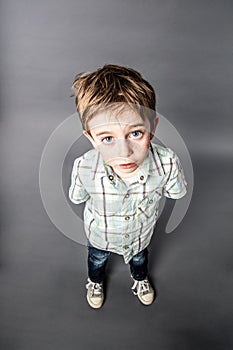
[[77, 192], [176, 185]]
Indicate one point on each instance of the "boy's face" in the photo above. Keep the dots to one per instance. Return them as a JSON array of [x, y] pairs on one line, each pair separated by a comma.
[[122, 140]]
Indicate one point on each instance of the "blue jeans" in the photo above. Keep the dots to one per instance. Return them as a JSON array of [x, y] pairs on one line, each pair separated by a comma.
[[97, 261]]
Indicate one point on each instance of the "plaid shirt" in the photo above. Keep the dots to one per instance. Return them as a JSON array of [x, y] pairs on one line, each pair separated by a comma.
[[121, 218]]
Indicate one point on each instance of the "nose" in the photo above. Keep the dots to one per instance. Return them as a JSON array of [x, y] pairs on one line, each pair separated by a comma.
[[124, 148]]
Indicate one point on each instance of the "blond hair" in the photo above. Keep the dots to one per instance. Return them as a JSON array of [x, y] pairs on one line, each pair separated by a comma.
[[108, 86]]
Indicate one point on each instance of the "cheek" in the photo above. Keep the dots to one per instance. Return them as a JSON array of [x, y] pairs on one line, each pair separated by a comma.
[[141, 148], [107, 152], [142, 144]]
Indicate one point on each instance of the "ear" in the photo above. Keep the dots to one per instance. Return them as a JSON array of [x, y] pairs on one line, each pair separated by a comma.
[[154, 126], [90, 138]]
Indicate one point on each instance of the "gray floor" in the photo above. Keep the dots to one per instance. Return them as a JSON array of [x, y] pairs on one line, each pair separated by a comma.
[[184, 48], [43, 275]]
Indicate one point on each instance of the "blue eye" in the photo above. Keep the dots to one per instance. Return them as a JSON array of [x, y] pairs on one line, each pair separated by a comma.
[[107, 139], [136, 134]]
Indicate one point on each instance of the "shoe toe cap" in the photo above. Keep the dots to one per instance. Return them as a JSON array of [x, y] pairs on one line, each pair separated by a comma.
[[147, 299], [95, 302]]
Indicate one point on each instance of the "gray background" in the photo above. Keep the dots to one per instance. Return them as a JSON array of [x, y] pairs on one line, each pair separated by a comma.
[[184, 49]]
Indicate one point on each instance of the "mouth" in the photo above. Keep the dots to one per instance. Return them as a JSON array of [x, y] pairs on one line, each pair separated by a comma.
[[127, 165]]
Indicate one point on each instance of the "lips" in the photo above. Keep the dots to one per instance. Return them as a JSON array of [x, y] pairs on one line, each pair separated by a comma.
[[127, 165]]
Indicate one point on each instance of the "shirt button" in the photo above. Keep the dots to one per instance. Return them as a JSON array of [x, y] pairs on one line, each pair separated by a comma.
[[126, 235], [125, 247], [150, 201], [127, 217], [111, 177], [127, 195], [142, 177]]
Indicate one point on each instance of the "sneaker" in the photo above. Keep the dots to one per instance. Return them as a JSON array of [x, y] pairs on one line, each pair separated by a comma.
[[95, 295], [144, 291]]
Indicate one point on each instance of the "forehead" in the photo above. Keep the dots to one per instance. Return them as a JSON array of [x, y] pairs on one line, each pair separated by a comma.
[[112, 119]]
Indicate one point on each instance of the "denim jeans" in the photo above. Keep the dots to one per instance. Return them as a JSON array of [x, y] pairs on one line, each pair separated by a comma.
[[97, 261]]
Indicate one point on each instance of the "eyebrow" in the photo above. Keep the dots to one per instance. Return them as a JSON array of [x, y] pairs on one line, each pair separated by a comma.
[[103, 133], [109, 132]]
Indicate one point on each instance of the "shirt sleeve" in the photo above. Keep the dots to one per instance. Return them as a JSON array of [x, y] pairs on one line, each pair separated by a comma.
[[176, 185], [77, 192]]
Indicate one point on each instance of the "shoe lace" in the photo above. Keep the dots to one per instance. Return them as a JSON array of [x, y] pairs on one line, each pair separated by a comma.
[[141, 287], [94, 288]]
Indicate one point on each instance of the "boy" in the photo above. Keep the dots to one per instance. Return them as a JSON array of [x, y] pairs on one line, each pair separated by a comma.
[[123, 178]]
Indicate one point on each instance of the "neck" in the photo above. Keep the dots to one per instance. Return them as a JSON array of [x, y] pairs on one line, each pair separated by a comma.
[[125, 176]]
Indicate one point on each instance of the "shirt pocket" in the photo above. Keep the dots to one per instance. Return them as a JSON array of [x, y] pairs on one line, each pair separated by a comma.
[[147, 209]]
